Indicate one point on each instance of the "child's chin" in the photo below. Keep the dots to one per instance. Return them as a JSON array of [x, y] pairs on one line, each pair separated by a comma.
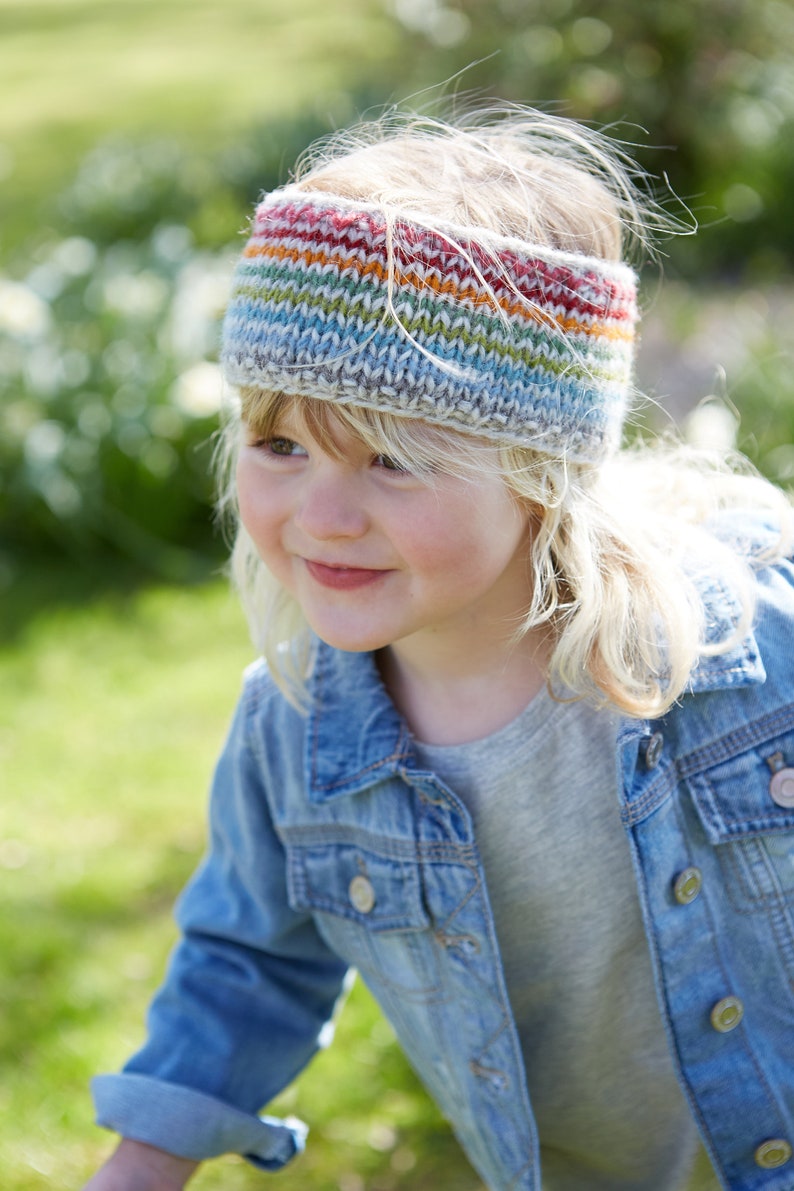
[[349, 642]]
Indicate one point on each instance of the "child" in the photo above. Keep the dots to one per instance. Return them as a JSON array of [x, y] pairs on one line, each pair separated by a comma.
[[522, 748]]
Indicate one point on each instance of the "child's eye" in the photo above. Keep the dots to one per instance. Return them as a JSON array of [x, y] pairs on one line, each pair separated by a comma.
[[285, 446], [279, 445], [389, 464]]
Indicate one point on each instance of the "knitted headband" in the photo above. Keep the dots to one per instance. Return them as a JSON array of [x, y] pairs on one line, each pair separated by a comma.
[[460, 327]]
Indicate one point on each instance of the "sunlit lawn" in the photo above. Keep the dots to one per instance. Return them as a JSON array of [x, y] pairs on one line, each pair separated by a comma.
[[77, 70], [112, 710]]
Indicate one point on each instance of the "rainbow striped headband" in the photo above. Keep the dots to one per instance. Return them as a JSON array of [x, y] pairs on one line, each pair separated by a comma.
[[460, 327]]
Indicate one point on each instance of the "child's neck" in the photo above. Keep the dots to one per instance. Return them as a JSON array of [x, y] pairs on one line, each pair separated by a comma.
[[466, 696]]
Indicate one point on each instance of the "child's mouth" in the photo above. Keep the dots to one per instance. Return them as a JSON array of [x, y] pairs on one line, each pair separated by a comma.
[[342, 578]]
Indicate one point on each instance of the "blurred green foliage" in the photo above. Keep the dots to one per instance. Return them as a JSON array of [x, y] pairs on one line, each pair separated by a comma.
[[707, 84], [109, 393]]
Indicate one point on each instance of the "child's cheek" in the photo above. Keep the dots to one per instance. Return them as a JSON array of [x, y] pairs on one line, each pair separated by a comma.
[[252, 492], [258, 510]]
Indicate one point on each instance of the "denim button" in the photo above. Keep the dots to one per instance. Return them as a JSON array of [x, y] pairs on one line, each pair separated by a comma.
[[465, 943], [773, 1153], [492, 1075], [653, 750], [781, 787], [687, 885], [726, 1014], [362, 895]]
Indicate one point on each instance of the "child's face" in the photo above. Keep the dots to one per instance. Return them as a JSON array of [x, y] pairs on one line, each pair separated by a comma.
[[377, 557]]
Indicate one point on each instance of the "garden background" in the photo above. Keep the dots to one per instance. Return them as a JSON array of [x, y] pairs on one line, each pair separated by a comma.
[[134, 137]]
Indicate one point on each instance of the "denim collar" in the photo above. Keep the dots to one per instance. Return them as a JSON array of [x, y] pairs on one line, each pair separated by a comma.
[[356, 737], [742, 664]]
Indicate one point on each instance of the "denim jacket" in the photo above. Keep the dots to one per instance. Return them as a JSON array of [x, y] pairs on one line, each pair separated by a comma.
[[330, 849]]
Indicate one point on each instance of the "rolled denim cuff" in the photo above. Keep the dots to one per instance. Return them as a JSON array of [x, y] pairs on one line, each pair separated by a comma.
[[190, 1124]]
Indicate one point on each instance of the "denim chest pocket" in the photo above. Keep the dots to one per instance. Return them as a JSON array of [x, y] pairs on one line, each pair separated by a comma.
[[746, 806], [369, 909]]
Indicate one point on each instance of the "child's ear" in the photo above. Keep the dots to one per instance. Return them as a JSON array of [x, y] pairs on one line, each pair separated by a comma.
[[534, 511]]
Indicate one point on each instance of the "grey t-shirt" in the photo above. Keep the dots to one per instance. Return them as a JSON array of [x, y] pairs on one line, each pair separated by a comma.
[[542, 795]]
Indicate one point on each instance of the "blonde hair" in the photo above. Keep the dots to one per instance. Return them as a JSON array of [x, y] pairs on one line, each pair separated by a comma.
[[512, 171], [616, 579]]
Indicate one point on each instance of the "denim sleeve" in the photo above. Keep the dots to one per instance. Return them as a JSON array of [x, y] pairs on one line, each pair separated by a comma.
[[248, 990]]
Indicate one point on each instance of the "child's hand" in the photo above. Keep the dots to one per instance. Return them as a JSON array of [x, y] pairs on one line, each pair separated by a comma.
[[139, 1167]]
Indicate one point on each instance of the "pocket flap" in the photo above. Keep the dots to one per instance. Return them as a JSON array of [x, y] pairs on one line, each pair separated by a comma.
[[380, 892], [734, 798]]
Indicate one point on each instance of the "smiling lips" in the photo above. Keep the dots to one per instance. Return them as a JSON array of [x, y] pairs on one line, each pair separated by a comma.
[[342, 578]]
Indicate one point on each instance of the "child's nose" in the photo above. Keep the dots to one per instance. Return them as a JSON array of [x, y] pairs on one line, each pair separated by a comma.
[[331, 508]]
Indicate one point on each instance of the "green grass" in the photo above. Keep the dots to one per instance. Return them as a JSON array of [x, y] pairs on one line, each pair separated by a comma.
[[74, 71], [113, 707]]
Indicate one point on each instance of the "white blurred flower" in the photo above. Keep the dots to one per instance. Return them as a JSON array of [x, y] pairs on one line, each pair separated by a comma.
[[712, 426], [23, 313], [591, 36], [76, 367], [742, 204], [121, 359], [61, 494], [159, 458], [94, 419], [73, 257], [443, 26], [172, 241], [542, 44], [165, 422], [76, 255], [46, 281], [43, 369], [17, 419], [201, 293], [136, 295], [198, 391], [44, 442]]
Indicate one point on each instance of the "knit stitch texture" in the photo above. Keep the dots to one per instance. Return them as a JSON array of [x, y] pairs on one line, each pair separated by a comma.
[[458, 326]]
